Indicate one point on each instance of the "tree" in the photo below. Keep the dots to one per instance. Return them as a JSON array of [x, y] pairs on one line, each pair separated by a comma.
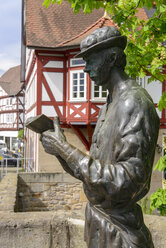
[[146, 49]]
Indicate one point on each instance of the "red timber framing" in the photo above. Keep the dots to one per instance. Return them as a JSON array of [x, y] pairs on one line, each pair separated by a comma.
[[28, 83], [75, 114], [71, 110], [20, 111], [42, 60]]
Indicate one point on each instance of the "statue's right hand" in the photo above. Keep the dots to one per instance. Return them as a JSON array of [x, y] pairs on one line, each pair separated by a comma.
[[48, 140], [53, 140], [58, 130]]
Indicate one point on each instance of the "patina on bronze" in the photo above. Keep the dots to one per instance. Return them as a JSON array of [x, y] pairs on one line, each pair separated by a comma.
[[117, 172]]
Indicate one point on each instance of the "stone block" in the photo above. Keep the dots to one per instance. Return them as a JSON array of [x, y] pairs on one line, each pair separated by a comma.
[[69, 179], [157, 227], [41, 177], [37, 187], [82, 197]]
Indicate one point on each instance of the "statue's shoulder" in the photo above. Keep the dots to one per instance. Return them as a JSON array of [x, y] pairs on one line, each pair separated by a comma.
[[134, 93], [135, 99]]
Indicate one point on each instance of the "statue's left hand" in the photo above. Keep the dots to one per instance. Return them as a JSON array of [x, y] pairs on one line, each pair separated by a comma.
[[52, 141]]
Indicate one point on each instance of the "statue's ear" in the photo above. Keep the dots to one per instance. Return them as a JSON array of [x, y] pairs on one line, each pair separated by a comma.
[[112, 59]]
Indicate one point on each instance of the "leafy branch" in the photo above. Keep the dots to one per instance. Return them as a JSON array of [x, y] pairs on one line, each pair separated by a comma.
[[145, 51]]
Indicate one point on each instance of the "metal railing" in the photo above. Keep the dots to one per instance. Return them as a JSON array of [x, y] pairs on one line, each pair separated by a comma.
[[18, 165]]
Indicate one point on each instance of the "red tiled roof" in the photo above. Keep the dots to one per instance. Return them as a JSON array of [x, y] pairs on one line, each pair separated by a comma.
[[104, 21], [49, 27], [10, 81], [57, 26], [141, 14]]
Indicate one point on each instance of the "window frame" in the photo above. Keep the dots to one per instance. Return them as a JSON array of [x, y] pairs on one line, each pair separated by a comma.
[[76, 59], [100, 98], [78, 99], [10, 118]]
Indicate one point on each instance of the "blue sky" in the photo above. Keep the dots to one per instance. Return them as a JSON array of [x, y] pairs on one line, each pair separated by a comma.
[[10, 34]]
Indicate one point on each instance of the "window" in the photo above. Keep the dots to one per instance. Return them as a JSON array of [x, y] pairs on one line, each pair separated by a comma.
[[78, 85], [97, 92], [9, 118], [141, 81], [8, 101], [14, 143], [77, 62]]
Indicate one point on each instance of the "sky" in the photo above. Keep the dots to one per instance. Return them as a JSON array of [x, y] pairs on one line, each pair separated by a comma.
[[10, 34]]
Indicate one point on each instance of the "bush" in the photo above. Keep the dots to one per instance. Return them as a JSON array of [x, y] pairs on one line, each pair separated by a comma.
[[158, 200]]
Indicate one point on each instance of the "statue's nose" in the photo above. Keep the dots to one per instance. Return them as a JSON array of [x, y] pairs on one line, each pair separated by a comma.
[[86, 69]]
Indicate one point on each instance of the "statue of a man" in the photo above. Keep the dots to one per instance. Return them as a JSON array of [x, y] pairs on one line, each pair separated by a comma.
[[117, 172]]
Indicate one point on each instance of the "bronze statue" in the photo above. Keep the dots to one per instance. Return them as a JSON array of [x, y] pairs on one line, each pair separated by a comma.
[[117, 172]]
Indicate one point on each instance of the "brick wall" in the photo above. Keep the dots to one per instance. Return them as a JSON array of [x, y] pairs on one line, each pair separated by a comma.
[[49, 192]]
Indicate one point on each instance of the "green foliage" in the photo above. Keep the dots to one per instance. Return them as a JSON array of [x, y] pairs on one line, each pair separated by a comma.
[[21, 134], [145, 53], [158, 198], [162, 102], [158, 201], [144, 203], [161, 164]]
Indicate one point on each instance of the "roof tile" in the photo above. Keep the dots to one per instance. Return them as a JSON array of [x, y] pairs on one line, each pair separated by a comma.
[[57, 25], [10, 81]]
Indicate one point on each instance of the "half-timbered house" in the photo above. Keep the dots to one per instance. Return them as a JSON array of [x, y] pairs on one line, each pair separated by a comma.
[[54, 79], [11, 106]]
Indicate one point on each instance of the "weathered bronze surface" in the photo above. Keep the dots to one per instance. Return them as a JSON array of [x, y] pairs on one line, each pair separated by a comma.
[[117, 172], [39, 123]]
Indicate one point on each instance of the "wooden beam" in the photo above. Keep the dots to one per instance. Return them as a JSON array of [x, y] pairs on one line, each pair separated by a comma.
[[81, 136], [90, 133]]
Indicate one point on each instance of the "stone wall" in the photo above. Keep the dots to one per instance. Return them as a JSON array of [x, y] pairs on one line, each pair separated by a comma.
[[53, 229], [58, 230], [49, 192], [41, 230], [8, 192]]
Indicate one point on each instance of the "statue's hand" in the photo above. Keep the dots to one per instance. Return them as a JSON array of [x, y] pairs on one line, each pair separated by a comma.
[[52, 141]]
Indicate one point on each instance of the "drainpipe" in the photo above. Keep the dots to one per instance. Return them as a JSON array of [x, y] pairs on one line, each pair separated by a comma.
[[23, 68], [23, 46]]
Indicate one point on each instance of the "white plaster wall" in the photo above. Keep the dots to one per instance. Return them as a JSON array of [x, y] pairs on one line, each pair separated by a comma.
[[9, 133], [154, 89], [49, 111], [29, 57], [2, 92], [55, 82], [30, 94], [54, 64], [30, 114], [45, 96]]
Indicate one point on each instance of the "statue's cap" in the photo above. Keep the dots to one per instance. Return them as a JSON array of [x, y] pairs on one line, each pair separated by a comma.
[[102, 38]]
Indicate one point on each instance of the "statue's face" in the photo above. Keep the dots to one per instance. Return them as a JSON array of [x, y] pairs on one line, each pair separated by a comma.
[[97, 67]]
